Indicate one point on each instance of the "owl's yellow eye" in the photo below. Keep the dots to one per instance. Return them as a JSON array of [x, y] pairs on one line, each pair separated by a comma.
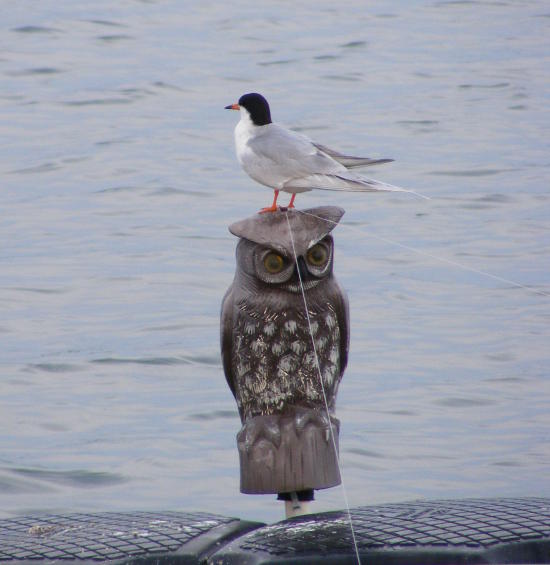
[[317, 255], [273, 263]]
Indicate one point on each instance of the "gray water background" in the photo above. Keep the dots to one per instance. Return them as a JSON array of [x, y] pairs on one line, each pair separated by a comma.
[[118, 182]]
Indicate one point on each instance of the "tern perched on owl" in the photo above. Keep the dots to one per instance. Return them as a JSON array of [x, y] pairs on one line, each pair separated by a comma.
[[268, 356], [286, 160]]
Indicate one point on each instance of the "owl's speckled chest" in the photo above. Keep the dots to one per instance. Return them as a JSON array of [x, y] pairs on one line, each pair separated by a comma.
[[274, 362]]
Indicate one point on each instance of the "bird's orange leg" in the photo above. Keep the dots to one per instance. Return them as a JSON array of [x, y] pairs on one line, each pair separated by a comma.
[[291, 203], [273, 207]]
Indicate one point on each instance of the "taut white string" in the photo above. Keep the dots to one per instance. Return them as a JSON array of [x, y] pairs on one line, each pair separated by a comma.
[[324, 393], [432, 256]]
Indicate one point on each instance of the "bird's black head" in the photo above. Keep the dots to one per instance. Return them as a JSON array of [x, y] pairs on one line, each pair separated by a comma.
[[257, 107]]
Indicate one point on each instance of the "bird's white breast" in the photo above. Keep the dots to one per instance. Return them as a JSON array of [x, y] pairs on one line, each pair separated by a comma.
[[244, 131], [256, 166]]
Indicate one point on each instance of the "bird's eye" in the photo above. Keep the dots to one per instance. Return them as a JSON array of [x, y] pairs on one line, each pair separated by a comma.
[[273, 263], [317, 255]]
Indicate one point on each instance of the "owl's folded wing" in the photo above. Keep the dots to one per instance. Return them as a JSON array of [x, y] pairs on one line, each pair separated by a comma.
[[341, 307], [226, 337]]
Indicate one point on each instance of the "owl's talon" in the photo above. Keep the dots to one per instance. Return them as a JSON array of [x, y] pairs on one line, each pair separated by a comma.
[[311, 417], [263, 427]]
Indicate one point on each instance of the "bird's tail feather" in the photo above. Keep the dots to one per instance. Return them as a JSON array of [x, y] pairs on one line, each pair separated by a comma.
[[344, 183], [350, 161]]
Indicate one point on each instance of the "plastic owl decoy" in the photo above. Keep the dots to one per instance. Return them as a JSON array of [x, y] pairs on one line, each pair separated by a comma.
[[273, 357]]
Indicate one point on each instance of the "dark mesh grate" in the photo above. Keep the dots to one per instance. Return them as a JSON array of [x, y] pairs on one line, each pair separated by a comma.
[[102, 536], [437, 532], [457, 527]]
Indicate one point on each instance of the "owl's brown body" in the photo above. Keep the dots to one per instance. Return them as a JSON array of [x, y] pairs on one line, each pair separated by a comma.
[[268, 355]]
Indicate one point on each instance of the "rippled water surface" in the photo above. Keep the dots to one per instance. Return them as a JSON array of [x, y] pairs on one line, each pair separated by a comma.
[[118, 182]]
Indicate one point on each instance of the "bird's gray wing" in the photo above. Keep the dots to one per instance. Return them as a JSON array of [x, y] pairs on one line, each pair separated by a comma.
[[226, 337], [294, 158], [291, 153], [349, 161]]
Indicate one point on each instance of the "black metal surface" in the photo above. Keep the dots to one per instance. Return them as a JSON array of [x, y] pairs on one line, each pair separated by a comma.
[[437, 532], [133, 537], [427, 533]]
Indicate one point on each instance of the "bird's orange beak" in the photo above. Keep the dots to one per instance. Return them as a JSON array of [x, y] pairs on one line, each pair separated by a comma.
[[233, 107]]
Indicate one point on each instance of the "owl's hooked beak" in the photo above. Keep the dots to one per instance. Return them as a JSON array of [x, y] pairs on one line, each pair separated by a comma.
[[305, 275], [232, 107], [301, 279]]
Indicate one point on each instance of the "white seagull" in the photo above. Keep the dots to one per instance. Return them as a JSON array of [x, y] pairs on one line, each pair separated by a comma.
[[285, 160]]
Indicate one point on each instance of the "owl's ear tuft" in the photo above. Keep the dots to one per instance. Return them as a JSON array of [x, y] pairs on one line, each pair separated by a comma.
[[331, 214], [308, 227]]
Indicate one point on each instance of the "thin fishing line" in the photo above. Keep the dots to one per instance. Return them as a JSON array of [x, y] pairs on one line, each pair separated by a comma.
[[432, 256], [352, 529]]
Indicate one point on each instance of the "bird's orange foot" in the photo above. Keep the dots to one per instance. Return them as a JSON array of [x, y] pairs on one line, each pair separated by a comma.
[[272, 208]]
